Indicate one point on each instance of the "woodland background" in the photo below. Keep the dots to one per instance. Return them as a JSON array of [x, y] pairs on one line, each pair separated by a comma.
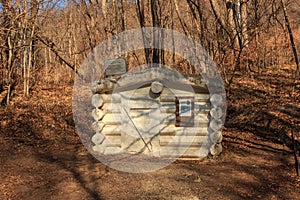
[[255, 45], [46, 41]]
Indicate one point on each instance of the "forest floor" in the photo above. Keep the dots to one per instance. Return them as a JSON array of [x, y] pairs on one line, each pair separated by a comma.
[[41, 157]]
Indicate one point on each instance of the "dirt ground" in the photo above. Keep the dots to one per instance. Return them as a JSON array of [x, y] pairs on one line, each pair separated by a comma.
[[41, 157]]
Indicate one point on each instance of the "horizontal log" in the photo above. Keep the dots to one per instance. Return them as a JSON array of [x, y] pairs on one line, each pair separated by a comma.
[[173, 151], [201, 118], [142, 103], [97, 114], [111, 130], [216, 112], [165, 130], [182, 141], [165, 107], [113, 119], [216, 100], [152, 114], [111, 98], [102, 86], [113, 150], [97, 88], [111, 141], [188, 131], [177, 87], [136, 144], [97, 101], [172, 98], [117, 107], [156, 87], [151, 75], [168, 107], [164, 114], [216, 137], [98, 138], [216, 149], [169, 95], [98, 126], [169, 130], [111, 108], [107, 150], [99, 149], [144, 120], [215, 125]]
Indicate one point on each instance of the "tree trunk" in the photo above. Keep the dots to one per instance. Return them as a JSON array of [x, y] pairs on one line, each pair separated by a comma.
[[287, 22], [295, 153], [10, 70], [104, 8], [231, 21], [156, 35], [244, 23], [141, 17], [183, 25]]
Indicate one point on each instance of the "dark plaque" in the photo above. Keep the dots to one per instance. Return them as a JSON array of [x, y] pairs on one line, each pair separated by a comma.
[[115, 66], [185, 111]]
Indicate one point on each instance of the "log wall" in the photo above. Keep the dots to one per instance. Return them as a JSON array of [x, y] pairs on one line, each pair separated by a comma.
[[141, 118]]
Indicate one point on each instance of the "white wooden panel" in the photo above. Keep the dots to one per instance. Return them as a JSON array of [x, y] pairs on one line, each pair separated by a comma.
[[111, 141], [113, 119], [182, 141], [136, 144], [111, 107], [172, 130], [109, 98], [111, 130]]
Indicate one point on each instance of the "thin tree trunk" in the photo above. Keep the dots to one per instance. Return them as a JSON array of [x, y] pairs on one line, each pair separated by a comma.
[[231, 22], [295, 154], [287, 22], [104, 8], [173, 40], [10, 67], [30, 60], [156, 35], [123, 17], [217, 12], [141, 17], [244, 23], [46, 62], [194, 17], [184, 27]]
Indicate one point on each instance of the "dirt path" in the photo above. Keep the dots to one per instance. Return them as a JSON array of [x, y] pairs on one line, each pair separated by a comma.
[[60, 171], [41, 157]]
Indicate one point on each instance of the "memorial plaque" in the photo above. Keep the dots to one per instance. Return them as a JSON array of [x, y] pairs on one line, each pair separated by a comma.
[[185, 107], [115, 66], [185, 111]]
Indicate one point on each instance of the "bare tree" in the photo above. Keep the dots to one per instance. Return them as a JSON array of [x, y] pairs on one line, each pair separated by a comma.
[[287, 21]]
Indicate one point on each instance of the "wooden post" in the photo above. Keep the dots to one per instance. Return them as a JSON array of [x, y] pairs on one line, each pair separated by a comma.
[[156, 87]]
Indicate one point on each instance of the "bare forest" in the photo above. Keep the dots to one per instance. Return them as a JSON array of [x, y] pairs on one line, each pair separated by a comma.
[[255, 45]]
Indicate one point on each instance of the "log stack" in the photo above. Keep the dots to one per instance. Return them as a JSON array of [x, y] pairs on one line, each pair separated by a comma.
[[137, 113]]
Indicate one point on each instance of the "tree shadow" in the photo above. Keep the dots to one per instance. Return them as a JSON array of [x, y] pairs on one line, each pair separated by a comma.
[[39, 132], [260, 114], [69, 162]]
